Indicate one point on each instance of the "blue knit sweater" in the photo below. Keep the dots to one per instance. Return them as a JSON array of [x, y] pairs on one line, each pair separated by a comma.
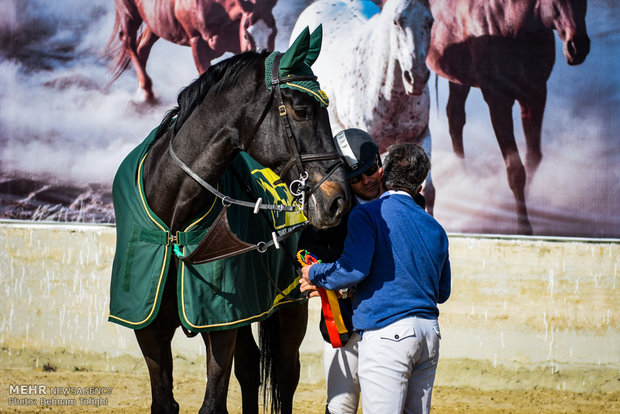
[[396, 256]]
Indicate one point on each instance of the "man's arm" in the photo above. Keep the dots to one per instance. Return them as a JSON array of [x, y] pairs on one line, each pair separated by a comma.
[[445, 282], [356, 260]]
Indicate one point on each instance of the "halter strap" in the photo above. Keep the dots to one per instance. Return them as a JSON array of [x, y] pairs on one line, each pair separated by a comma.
[[293, 150], [290, 143], [226, 200]]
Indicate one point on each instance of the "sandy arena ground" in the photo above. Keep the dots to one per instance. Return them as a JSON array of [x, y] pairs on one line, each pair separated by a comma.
[[491, 389]]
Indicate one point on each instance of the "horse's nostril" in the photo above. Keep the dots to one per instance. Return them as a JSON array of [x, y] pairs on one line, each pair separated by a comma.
[[407, 76], [337, 206], [572, 49]]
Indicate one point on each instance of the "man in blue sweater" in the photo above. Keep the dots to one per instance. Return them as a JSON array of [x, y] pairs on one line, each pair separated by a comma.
[[396, 256]]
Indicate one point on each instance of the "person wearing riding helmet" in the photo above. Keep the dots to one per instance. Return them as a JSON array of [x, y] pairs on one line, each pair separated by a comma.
[[396, 256], [364, 173]]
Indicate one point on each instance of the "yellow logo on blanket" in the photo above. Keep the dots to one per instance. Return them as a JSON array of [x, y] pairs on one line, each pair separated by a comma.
[[280, 194]]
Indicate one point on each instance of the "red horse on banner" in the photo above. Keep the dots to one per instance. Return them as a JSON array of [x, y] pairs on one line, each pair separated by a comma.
[[210, 27], [505, 48]]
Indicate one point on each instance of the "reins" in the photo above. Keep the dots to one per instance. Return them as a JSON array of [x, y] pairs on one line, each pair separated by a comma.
[[226, 200], [302, 192], [298, 187]]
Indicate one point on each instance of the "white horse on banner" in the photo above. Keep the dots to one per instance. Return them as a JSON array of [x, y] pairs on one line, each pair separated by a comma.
[[373, 68]]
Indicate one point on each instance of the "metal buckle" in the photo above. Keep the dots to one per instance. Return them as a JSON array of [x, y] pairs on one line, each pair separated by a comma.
[[297, 188], [173, 239], [282, 110]]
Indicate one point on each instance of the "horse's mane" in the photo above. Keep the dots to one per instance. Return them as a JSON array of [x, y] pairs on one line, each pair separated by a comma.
[[221, 76]]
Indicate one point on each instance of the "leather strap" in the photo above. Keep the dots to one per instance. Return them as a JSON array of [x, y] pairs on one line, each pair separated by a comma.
[[219, 243]]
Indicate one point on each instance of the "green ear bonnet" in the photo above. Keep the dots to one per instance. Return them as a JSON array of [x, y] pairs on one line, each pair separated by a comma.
[[296, 61]]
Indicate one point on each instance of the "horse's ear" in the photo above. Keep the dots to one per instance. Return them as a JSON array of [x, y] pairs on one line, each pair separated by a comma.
[[296, 54], [314, 48]]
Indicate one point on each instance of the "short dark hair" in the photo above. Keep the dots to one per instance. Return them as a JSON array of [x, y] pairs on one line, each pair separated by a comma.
[[405, 167]]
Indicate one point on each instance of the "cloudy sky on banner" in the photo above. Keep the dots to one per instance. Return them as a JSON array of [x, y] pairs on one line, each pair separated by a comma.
[[61, 118]]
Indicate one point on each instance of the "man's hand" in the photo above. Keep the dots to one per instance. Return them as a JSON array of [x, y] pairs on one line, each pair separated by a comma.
[[305, 284]]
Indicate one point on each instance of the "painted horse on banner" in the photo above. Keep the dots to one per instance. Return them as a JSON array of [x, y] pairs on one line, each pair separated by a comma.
[[187, 197], [373, 68], [506, 49], [210, 27]]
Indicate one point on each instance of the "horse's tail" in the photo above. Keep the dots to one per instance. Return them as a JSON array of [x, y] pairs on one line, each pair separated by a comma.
[[269, 337], [114, 49]]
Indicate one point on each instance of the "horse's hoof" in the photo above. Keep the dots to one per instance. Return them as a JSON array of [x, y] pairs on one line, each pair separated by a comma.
[[143, 107]]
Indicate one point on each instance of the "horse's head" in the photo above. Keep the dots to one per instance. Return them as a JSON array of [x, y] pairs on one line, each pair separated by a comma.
[[298, 143], [410, 39], [568, 18], [257, 29]]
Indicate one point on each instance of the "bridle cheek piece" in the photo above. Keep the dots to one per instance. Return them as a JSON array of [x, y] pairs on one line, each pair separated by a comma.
[[298, 187]]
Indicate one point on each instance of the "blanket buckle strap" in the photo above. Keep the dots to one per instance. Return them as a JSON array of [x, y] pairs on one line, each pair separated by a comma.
[[173, 239]]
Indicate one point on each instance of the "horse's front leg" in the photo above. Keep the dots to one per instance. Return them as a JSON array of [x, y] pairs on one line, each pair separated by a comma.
[[293, 322], [202, 52], [154, 341], [220, 349], [455, 110], [130, 45], [247, 369], [500, 108], [532, 110], [145, 42]]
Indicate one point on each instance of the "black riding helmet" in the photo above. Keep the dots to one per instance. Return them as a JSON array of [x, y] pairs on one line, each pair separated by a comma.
[[358, 149]]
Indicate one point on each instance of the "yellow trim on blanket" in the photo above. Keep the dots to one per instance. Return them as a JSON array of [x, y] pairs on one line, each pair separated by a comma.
[[166, 248], [277, 302], [163, 266], [161, 274], [142, 197], [205, 215], [286, 291], [147, 209]]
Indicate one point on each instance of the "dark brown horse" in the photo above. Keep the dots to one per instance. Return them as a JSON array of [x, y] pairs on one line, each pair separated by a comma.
[[233, 107], [210, 27], [505, 48]]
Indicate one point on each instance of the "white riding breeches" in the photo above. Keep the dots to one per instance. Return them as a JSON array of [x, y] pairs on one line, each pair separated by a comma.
[[343, 387], [397, 366]]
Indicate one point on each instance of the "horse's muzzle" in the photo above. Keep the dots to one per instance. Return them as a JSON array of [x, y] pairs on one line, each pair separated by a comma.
[[576, 50]]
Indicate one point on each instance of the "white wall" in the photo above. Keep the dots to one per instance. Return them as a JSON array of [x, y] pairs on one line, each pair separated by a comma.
[[515, 301]]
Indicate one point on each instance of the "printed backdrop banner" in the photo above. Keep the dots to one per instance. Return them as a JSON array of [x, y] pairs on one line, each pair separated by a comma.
[[65, 126]]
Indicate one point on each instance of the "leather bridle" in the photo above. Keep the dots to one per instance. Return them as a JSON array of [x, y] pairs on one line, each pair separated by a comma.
[[298, 187]]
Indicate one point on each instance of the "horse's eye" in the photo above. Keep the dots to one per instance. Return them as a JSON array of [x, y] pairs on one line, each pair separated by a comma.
[[301, 113]]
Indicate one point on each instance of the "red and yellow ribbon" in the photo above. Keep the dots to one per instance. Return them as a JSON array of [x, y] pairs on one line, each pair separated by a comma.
[[329, 304]]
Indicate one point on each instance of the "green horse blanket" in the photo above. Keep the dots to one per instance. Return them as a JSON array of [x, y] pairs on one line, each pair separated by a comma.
[[222, 294]]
